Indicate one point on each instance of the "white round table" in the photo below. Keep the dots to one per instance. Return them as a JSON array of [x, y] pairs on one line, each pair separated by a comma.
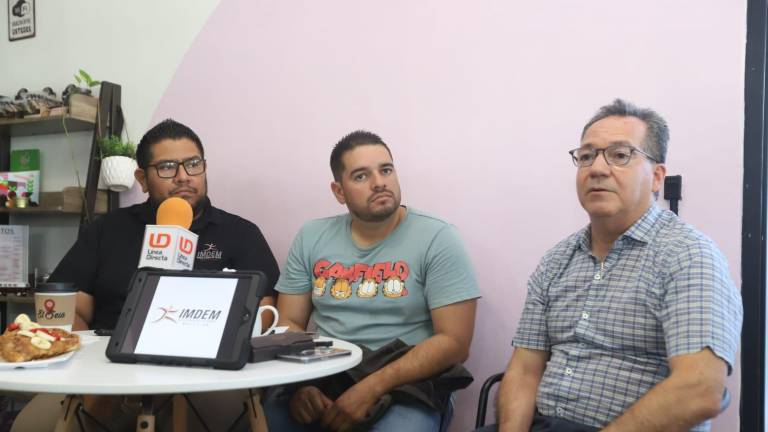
[[89, 371]]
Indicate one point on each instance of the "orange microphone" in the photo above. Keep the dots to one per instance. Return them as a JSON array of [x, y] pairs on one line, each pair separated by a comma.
[[175, 211], [169, 244]]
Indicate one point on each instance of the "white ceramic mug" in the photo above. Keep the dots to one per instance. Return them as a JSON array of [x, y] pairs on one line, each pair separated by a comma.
[[257, 326]]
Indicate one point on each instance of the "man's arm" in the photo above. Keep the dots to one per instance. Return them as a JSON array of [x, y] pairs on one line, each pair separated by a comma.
[[83, 311], [308, 403], [517, 393], [294, 310], [690, 395], [453, 324]]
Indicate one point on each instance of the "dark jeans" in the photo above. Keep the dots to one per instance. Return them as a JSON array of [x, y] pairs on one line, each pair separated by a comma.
[[542, 423]]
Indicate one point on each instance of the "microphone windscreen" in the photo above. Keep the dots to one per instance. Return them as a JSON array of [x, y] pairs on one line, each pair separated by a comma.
[[175, 211]]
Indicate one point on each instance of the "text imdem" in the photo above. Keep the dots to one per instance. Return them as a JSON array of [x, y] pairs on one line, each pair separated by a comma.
[[200, 314]]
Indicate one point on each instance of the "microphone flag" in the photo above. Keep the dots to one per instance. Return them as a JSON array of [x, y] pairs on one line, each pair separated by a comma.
[[169, 244]]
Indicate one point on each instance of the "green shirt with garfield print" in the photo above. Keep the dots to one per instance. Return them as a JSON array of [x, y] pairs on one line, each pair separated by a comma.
[[370, 296]]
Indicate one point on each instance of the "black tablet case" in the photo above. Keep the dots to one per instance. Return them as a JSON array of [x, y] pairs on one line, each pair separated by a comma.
[[235, 347]]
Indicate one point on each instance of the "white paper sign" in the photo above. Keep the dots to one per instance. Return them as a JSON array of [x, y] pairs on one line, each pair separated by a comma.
[[14, 253], [187, 317], [21, 19]]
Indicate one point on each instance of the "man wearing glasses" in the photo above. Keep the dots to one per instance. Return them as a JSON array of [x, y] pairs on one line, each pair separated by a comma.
[[171, 163], [632, 323]]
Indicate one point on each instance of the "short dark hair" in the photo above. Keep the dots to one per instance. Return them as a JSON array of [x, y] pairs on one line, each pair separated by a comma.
[[349, 142], [656, 135], [166, 129]]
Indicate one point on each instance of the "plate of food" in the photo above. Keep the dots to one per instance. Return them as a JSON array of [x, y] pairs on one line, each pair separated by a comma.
[[41, 363], [25, 344]]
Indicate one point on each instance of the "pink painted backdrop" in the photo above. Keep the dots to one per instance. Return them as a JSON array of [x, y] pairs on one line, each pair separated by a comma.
[[479, 102]]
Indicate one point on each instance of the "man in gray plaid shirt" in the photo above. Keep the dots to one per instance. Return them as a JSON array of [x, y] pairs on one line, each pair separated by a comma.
[[632, 323]]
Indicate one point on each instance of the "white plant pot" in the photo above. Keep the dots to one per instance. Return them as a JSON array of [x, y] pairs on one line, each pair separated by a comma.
[[117, 173]]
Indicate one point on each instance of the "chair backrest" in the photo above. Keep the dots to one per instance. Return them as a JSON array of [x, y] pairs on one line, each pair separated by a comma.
[[482, 403]]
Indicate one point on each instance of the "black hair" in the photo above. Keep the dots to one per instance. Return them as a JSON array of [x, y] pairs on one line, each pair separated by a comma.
[[657, 133], [166, 129], [349, 142]]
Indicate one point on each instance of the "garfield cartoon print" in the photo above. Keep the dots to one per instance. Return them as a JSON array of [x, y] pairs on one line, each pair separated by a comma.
[[318, 287], [394, 288], [368, 288], [364, 280], [341, 289]]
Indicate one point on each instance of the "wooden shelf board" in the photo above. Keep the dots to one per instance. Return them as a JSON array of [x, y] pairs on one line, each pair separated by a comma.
[[55, 203], [29, 126], [37, 210]]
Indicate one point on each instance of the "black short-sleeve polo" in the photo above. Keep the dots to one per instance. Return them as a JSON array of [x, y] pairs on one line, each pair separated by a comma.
[[105, 256]]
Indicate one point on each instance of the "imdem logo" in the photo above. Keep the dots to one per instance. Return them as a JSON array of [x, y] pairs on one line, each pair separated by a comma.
[[211, 252], [187, 316], [168, 314]]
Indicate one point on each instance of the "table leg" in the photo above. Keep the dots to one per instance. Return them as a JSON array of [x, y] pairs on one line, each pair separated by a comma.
[[145, 422], [255, 412], [180, 409], [68, 414]]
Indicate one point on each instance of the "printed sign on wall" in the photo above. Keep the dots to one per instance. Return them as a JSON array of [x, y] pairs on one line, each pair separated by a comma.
[[21, 19]]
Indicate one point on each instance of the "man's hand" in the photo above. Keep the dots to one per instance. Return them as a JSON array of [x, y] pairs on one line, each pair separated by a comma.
[[350, 408], [308, 404]]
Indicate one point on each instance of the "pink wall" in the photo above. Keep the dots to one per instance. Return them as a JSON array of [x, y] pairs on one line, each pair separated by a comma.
[[479, 102]]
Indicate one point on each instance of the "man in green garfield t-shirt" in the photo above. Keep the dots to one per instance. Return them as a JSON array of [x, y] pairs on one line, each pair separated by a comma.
[[376, 274]]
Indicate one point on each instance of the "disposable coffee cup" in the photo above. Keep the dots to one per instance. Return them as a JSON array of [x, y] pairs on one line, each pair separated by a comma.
[[55, 304]]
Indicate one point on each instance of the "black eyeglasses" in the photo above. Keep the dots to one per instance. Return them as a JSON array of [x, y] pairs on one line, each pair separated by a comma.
[[615, 154], [168, 169]]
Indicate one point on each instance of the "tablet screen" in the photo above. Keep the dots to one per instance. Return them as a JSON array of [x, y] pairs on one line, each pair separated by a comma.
[[186, 317]]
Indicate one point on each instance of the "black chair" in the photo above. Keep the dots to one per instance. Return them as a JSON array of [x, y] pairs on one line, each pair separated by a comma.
[[482, 403]]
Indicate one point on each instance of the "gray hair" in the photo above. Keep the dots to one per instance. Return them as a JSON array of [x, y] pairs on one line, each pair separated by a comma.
[[657, 134]]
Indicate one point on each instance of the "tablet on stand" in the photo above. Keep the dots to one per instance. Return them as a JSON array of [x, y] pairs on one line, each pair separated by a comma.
[[191, 318]]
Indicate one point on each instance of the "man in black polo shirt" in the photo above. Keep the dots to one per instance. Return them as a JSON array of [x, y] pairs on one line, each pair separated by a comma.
[[171, 163], [101, 262]]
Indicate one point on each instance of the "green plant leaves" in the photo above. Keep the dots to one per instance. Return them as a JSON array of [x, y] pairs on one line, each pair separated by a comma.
[[115, 146], [83, 76]]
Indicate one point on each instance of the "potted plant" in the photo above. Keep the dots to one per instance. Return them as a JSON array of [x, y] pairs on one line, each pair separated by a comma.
[[118, 163], [79, 100]]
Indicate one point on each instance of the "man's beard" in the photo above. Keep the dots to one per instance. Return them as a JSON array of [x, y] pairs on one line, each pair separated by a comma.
[[197, 209], [382, 215]]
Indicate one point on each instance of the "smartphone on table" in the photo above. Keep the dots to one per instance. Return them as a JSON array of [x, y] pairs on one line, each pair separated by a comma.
[[315, 354]]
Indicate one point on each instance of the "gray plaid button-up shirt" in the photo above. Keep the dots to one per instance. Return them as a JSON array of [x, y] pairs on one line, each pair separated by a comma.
[[663, 290]]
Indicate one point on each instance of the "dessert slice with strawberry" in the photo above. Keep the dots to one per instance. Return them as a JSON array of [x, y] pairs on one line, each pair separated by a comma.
[[25, 340]]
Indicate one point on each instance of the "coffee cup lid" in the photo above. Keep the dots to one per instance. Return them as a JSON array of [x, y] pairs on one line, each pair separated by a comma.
[[55, 287]]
